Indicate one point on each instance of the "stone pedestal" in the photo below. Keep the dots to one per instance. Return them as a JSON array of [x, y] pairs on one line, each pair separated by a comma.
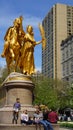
[[27, 127], [16, 85]]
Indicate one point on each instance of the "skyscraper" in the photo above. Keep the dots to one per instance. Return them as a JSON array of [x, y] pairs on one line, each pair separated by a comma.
[[58, 25]]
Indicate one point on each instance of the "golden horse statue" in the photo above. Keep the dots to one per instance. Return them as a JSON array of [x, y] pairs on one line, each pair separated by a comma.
[[13, 43], [19, 47]]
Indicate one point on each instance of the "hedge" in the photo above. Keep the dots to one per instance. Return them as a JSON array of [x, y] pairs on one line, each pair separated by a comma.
[[66, 125]]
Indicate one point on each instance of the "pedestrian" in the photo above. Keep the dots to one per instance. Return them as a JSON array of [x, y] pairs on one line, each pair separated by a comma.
[[53, 116], [16, 108], [25, 119]]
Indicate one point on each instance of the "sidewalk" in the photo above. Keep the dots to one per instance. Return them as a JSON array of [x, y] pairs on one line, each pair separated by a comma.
[[64, 129]]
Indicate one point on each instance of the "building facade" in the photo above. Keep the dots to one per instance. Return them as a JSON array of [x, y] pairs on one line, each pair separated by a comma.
[[67, 59], [58, 25]]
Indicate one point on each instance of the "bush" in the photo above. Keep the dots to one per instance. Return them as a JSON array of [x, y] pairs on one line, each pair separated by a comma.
[[67, 125]]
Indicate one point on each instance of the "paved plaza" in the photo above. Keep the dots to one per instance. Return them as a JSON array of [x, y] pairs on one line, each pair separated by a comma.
[[64, 129]]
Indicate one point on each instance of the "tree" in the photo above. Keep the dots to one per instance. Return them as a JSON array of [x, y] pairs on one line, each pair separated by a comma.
[[53, 93], [45, 93], [4, 74]]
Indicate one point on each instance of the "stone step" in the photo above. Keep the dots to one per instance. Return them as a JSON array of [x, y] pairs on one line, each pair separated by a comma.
[[24, 127], [6, 114]]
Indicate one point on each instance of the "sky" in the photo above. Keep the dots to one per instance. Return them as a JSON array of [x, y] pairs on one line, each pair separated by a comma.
[[33, 12]]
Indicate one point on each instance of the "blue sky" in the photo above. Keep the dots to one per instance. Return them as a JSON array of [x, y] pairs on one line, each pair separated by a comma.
[[33, 12]]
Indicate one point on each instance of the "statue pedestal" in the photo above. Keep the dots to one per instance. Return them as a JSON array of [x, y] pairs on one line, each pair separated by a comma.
[[16, 85]]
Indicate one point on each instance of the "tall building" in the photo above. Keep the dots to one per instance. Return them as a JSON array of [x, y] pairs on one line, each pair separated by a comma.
[[67, 59], [58, 25]]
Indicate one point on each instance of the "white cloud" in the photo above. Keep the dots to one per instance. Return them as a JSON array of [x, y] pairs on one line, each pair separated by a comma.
[[38, 69], [2, 62], [32, 20], [7, 21]]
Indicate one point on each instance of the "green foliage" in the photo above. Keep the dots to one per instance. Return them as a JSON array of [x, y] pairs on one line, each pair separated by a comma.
[[53, 93], [3, 75], [46, 93], [67, 125]]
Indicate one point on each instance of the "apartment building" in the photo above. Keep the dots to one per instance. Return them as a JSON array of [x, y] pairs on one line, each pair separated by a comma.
[[58, 25], [67, 59]]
